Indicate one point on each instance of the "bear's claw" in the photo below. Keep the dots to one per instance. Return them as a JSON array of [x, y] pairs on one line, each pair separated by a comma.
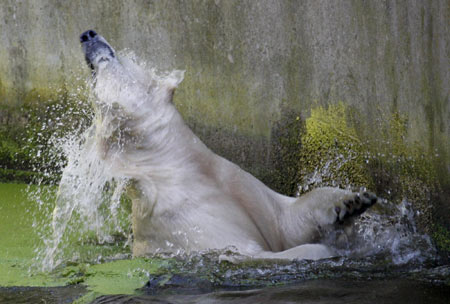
[[355, 206]]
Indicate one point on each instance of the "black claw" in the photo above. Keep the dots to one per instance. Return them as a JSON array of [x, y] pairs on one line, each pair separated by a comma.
[[360, 210], [359, 202], [347, 215], [338, 213], [348, 204], [372, 198], [357, 206]]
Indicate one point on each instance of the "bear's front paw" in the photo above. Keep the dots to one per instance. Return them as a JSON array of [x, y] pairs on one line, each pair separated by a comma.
[[355, 206]]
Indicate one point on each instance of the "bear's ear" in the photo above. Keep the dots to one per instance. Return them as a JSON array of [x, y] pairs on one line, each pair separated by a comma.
[[170, 83], [174, 79]]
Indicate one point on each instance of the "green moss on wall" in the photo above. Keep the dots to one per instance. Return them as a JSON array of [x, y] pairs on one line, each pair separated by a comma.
[[332, 154], [28, 150], [332, 148], [405, 170], [323, 150], [286, 151], [19, 176], [441, 236]]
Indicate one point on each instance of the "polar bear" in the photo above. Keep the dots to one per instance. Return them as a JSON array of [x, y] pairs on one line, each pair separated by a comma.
[[184, 196]]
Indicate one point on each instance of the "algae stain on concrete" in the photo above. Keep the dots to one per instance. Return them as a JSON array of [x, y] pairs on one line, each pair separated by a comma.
[[333, 151], [332, 154], [406, 168]]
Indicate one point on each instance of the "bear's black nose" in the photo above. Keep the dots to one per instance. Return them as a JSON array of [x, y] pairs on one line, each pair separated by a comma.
[[88, 35]]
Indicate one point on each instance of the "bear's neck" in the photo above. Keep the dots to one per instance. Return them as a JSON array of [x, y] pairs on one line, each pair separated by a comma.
[[151, 140]]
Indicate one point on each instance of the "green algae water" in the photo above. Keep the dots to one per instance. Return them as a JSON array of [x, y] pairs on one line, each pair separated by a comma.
[[196, 278], [18, 237], [18, 241], [25, 214]]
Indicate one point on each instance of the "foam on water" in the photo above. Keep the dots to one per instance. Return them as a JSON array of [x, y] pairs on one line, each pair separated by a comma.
[[91, 210]]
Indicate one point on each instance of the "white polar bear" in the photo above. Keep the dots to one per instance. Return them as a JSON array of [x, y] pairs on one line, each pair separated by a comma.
[[184, 196]]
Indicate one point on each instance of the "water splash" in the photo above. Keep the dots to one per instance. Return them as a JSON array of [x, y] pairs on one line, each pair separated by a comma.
[[88, 207], [387, 230], [91, 211]]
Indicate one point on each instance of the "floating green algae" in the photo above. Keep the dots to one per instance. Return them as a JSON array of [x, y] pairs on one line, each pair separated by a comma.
[[18, 239]]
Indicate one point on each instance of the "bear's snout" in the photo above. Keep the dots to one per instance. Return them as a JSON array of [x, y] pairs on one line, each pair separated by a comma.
[[96, 49], [88, 35]]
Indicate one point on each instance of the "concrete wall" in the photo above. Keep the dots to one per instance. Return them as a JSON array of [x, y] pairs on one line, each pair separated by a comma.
[[249, 62]]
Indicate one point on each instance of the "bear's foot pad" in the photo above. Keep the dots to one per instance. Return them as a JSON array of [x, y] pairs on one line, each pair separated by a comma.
[[354, 207]]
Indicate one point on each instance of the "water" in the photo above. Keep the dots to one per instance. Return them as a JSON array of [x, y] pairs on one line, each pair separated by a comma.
[[317, 291], [202, 277], [27, 295], [401, 291]]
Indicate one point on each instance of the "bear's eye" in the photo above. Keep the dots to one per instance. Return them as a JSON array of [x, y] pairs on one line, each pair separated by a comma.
[[84, 38], [92, 34]]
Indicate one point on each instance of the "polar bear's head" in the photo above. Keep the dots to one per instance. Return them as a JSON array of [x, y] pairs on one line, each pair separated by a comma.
[[124, 79], [97, 50]]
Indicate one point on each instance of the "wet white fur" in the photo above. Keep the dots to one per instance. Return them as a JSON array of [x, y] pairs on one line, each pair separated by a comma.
[[184, 195]]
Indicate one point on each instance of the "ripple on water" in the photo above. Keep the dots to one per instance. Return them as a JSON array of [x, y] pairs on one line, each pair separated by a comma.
[[317, 291]]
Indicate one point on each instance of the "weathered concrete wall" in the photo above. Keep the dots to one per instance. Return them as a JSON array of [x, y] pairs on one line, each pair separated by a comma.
[[246, 61]]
